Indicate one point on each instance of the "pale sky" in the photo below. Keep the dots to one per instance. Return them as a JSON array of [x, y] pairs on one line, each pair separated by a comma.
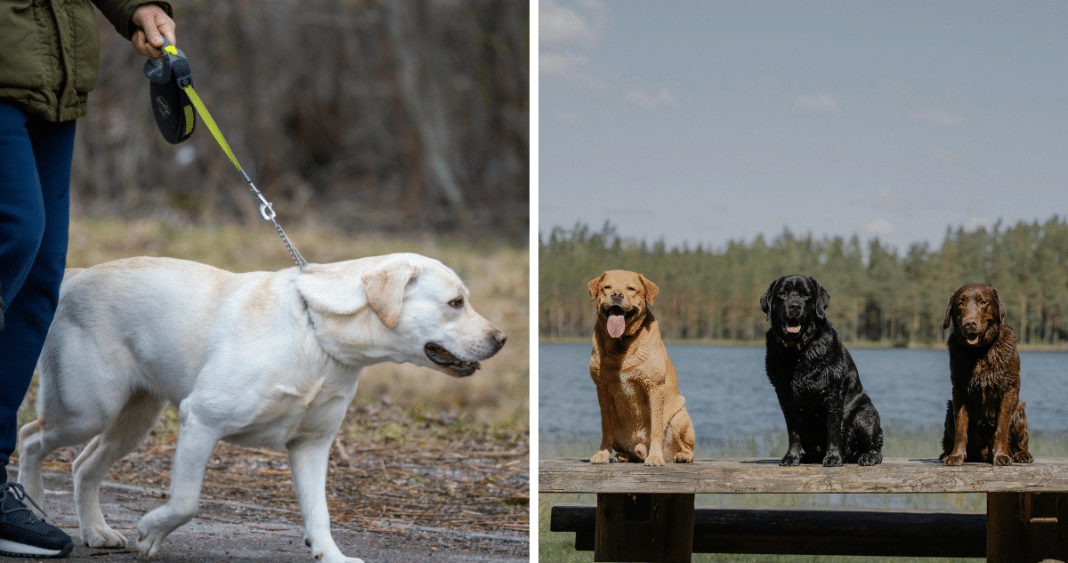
[[704, 122]]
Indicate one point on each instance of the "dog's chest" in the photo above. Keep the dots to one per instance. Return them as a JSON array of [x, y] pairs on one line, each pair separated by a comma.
[[288, 411]]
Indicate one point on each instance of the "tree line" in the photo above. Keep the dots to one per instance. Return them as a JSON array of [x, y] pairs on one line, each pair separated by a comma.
[[877, 294], [370, 116]]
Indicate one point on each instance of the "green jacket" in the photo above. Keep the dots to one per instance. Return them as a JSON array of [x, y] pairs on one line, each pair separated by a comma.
[[50, 52]]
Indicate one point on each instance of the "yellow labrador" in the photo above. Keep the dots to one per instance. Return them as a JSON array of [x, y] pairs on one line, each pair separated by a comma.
[[643, 416], [258, 359]]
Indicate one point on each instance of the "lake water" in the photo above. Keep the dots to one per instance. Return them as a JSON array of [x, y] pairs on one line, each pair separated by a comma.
[[728, 394]]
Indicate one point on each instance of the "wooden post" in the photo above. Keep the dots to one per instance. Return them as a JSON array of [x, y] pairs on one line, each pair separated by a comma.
[[644, 527], [1026, 527]]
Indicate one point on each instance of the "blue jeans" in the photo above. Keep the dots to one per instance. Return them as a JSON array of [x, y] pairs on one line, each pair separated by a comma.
[[35, 160]]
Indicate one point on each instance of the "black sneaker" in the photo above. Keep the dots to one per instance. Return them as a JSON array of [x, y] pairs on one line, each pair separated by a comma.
[[23, 533]]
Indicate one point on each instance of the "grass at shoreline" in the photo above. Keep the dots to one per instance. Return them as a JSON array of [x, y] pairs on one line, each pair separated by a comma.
[[923, 443]]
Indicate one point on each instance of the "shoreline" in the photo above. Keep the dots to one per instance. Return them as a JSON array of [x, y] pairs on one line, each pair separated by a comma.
[[1056, 348]]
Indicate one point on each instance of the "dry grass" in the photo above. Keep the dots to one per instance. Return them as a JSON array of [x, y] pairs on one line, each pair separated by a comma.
[[418, 447]]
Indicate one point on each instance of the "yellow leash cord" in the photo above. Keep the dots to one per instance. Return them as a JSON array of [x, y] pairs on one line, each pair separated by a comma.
[[266, 209]]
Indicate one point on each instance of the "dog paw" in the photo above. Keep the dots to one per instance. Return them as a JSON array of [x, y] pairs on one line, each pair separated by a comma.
[[600, 457], [953, 460], [148, 545], [340, 559], [684, 457], [103, 537], [790, 459], [869, 459], [1022, 457], [1002, 459], [832, 459], [654, 459]]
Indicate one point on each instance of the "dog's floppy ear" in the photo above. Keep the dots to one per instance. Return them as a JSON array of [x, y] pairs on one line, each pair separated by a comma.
[[823, 298], [595, 286], [385, 290], [1001, 306], [651, 290], [949, 311], [765, 300]]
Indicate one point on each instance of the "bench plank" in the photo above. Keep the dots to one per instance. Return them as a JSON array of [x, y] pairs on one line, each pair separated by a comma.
[[911, 533], [894, 475]]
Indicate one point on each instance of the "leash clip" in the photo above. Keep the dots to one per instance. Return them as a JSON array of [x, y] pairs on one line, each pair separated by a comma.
[[266, 210]]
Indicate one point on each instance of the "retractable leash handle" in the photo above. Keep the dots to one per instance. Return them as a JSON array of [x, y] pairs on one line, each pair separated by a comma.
[[173, 103]]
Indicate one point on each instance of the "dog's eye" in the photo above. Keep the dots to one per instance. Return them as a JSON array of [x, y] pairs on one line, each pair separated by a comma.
[[630, 288], [457, 303]]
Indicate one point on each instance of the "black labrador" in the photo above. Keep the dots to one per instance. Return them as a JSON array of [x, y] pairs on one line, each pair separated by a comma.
[[829, 417]]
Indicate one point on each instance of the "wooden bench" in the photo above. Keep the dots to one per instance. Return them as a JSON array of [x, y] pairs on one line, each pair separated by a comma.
[[647, 513]]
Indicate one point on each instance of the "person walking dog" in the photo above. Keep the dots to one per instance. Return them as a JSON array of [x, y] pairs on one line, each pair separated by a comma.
[[49, 58]]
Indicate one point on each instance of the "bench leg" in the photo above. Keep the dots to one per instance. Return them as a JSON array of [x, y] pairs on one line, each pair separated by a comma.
[[1026, 527], [644, 527]]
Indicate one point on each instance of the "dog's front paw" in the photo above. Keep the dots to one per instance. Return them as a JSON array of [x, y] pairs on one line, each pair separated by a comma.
[[790, 459], [953, 460], [654, 459], [1022, 457], [832, 459], [684, 457], [148, 543], [1002, 459], [601, 457], [869, 459]]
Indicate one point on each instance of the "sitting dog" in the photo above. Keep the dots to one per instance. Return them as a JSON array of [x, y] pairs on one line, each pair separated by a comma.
[[829, 417], [985, 420], [643, 416], [262, 359]]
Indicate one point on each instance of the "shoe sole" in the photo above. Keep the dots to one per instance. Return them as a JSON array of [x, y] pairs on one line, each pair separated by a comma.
[[15, 549]]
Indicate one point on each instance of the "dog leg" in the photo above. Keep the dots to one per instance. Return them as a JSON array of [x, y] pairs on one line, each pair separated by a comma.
[[656, 426], [960, 438], [91, 467], [196, 442], [793, 449], [608, 417], [38, 439], [948, 433], [833, 455], [32, 451], [680, 437], [1018, 436], [309, 461], [1006, 413]]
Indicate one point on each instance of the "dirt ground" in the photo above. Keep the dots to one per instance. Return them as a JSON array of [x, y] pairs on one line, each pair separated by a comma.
[[401, 488]]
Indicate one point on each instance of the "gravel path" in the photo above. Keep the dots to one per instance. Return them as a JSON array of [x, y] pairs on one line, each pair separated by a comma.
[[235, 531]]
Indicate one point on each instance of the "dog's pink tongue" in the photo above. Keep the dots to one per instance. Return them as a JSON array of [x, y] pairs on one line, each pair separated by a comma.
[[616, 324], [793, 329]]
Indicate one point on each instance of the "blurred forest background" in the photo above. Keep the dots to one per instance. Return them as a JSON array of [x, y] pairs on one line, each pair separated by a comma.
[[395, 117], [877, 295]]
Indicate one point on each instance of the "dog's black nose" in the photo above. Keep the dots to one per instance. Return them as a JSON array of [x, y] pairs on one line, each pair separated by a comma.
[[617, 295], [500, 338]]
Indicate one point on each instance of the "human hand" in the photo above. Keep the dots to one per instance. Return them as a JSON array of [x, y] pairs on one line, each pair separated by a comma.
[[154, 24]]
